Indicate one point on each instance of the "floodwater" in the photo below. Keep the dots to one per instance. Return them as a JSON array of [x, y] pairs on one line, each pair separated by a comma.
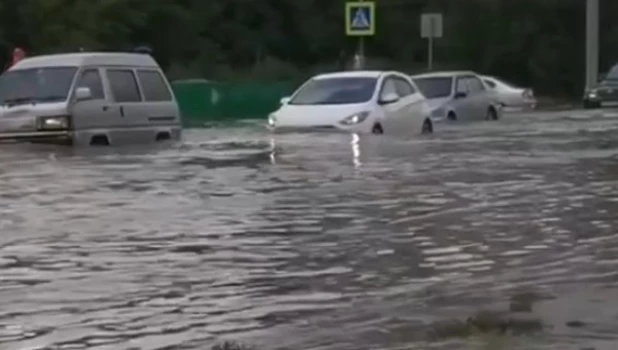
[[314, 241]]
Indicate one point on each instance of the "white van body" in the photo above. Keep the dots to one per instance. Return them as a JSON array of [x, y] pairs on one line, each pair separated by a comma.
[[88, 99]]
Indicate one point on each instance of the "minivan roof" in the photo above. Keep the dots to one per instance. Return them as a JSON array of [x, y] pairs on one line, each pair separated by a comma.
[[87, 59]]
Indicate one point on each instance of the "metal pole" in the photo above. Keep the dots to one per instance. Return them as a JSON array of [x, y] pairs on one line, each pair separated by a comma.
[[592, 42], [430, 53]]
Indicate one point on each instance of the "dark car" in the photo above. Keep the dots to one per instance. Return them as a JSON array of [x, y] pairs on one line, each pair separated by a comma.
[[605, 93]]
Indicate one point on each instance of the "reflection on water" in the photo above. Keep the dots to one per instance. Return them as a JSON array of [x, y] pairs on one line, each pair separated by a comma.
[[283, 242]]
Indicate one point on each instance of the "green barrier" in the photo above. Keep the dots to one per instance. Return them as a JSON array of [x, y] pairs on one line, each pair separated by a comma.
[[203, 101]]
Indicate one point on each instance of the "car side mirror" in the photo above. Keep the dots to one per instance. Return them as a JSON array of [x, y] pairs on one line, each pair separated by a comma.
[[83, 93], [389, 98], [459, 95], [284, 100]]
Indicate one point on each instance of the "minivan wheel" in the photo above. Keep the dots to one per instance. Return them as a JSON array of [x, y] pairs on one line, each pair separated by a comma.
[[377, 129], [427, 127], [99, 140], [163, 136]]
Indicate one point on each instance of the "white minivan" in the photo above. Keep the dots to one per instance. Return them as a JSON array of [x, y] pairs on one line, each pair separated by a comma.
[[88, 99]]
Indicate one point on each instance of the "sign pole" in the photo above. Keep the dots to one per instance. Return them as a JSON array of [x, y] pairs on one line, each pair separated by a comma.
[[430, 53], [431, 29], [360, 22], [361, 51]]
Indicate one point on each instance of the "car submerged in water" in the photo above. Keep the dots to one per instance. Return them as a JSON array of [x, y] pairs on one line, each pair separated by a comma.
[[458, 95], [363, 102], [88, 99], [605, 93]]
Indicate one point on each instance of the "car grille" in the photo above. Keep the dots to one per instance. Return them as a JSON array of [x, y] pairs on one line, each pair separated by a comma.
[[608, 93]]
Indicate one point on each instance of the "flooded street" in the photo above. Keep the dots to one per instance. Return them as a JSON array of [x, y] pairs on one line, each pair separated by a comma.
[[314, 241]]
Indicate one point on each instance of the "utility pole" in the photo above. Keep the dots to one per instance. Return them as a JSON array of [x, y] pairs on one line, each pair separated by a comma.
[[592, 43]]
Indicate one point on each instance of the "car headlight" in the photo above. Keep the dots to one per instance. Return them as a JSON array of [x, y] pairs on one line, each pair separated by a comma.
[[272, 120], [355, 118], [53, 123], [592, 93]]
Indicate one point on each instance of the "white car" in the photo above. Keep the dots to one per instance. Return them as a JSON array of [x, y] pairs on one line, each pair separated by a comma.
[[458, 95], [362, 102], [511, 97]]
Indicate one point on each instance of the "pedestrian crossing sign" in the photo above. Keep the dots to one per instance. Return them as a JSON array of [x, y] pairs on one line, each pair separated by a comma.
[[360, 18]]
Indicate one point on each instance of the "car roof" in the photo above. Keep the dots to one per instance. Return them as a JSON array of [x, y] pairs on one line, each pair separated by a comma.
[[443, 74], [87, 58], [356, 74]]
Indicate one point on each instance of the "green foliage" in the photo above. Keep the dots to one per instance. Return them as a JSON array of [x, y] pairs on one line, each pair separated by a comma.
[[530, 42]]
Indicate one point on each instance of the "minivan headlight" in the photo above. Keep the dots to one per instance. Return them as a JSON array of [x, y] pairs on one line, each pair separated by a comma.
[[53, 123], [355, 118]]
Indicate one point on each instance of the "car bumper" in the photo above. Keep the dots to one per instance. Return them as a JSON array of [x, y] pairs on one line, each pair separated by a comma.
[[317, 129], [39, 136]]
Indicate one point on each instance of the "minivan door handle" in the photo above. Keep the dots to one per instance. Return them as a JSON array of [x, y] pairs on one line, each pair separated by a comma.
[[122, 111]]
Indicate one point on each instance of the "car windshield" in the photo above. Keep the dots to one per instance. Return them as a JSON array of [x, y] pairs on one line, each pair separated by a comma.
[[613, 73], [50, 84], [435, 87], [330, 91]]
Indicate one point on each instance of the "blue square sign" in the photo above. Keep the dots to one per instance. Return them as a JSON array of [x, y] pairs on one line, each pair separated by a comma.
[[360, 18]]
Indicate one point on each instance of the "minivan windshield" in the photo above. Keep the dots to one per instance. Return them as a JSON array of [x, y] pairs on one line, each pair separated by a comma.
[[35, 85], [435, 87], [331, 91]]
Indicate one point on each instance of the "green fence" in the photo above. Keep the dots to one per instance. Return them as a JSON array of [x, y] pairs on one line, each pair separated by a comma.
[[203, 101]]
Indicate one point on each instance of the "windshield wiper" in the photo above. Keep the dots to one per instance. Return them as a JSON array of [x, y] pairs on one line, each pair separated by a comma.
[[18, 100], [50, 98]]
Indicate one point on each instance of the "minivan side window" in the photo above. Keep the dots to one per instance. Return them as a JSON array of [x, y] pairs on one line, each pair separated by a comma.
[[153, 86], [123, 85], [91, 79]]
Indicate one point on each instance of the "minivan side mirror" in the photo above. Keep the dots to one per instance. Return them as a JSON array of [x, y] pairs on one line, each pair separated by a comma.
[[459, 95], [284, 100], [83, 93]]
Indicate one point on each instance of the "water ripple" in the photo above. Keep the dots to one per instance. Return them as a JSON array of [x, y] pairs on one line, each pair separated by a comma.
[[310, 241]]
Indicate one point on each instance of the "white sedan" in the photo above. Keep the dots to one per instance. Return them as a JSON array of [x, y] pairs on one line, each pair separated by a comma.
[[362, 102], [511, 97]]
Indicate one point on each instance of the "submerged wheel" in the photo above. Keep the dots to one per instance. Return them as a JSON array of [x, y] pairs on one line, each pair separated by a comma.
[[427, 127], [377, 129], [492, 114], [451, 116]]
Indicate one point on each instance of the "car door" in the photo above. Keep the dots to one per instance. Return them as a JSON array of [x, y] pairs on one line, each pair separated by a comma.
[[96, 112], [412, 115], [479, 97], [159, 106], [393, 112], [127, 100], [461, 99]]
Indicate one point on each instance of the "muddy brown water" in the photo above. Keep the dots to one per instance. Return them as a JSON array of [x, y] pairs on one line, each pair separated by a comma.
[[314, 241]]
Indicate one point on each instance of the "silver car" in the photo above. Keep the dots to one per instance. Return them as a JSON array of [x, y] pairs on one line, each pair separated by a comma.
[[458, 95]]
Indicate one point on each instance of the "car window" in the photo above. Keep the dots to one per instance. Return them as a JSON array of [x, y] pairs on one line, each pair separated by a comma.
[[123, 85], [475, 85], [461, 85], [153, 86], [388, 87], [403, 87], [435, 87], [91, 78], [490, 83]]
